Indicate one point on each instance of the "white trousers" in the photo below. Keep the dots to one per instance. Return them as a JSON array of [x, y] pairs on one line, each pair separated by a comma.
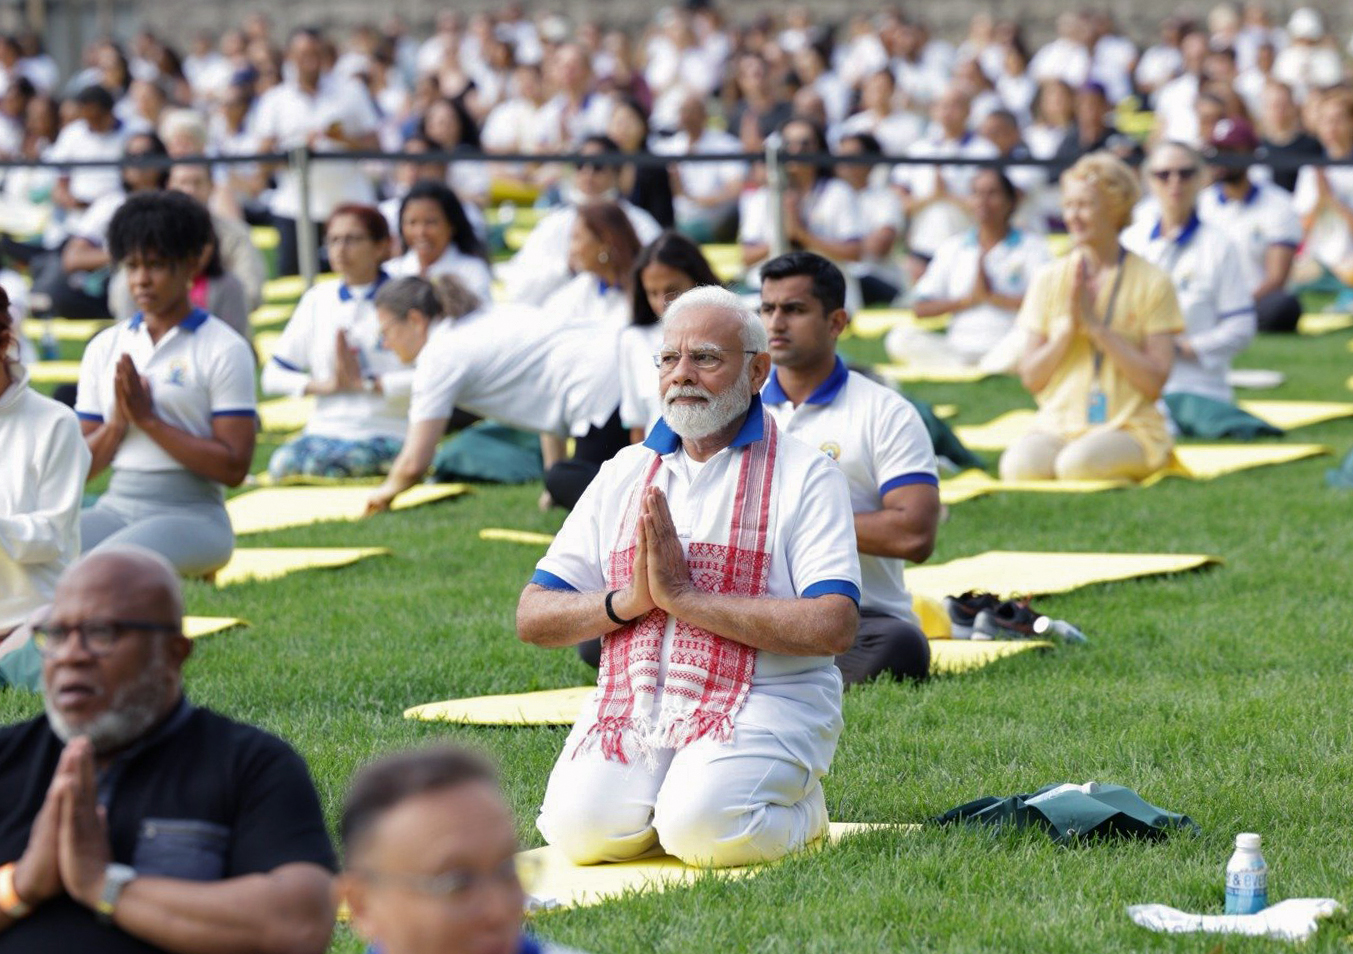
[[714, 804]]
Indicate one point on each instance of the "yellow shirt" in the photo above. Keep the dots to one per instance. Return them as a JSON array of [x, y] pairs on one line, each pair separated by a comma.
[[1146, 306]]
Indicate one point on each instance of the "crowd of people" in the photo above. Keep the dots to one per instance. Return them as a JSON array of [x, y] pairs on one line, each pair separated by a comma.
[[741, 502]]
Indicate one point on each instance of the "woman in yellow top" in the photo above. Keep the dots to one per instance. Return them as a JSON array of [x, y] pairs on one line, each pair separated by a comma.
[[1101, 324]]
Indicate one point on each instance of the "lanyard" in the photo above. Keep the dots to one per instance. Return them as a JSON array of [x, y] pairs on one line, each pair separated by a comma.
[[1108, 312]]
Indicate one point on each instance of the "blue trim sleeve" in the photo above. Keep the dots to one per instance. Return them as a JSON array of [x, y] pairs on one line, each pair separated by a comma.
[[85, 416], [906, 480], [235, 412], [551, 582], [1286, 244], [1236, 313], [287, 364], [825, 587]]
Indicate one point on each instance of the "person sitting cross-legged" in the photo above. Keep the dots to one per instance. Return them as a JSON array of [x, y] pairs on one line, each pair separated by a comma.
[[719, 560], [878, 440]]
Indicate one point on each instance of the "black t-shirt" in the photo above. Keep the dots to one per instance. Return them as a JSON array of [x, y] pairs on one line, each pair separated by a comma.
[[1300, 146], [203, 798]]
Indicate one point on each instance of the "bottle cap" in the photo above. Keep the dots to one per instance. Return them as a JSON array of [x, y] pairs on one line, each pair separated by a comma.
[[1248, 840]]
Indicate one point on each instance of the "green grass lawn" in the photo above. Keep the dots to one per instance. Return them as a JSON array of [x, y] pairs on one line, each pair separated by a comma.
[[1222, 694]]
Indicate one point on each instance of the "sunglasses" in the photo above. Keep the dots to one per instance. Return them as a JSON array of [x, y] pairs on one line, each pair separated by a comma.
[[1165, 175]]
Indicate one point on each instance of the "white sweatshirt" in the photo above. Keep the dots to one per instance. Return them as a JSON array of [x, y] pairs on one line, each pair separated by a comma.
[[43, 466]]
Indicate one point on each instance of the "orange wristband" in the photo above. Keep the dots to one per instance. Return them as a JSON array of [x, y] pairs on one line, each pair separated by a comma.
[[11, 904]]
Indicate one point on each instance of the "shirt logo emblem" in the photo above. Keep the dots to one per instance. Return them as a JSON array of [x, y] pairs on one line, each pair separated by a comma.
[[831, 449], [178, 374]]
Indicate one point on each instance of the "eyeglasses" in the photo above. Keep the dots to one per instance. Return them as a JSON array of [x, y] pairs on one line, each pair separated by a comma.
[[516, 872], [1165, 175], [346, 239], [705, 359], [97, 637], [593, 166]]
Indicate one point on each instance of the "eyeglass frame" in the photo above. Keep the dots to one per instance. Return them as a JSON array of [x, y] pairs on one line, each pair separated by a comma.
[[658, 357], [453, 885], [1186, 174], [43, 632]]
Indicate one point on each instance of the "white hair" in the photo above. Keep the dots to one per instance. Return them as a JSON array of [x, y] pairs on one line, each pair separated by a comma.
[[184, 122], [752, 331]]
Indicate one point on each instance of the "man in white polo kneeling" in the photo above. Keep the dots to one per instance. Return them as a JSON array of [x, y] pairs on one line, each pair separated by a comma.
[[718, 559]]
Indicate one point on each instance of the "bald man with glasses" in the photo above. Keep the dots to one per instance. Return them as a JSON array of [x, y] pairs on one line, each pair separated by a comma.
[[134, 822]]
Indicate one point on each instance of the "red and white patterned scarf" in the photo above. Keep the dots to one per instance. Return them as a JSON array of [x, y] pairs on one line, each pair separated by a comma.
[[708, 676]]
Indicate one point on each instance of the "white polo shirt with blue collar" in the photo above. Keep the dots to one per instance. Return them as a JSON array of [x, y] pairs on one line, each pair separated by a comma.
[[1265, 217], [880, 443], [198, 371], [952, 273], [1215, 296], [813, 538], [305, 352]]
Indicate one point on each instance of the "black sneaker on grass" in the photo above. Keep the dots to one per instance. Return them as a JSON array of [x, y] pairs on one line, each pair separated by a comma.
[[1012, 619], [963, 611]]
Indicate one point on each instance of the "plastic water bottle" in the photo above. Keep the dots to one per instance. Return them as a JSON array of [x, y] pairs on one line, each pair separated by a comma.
[[1060, 628], [48, 349], [1246, 877]]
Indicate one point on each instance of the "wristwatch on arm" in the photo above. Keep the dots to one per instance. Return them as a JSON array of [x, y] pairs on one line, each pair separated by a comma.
[[115, 879]]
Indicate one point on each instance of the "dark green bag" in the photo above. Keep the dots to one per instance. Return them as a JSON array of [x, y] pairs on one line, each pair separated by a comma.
[[490, 453], [1198, 416], [945, 440], [1113, 810]]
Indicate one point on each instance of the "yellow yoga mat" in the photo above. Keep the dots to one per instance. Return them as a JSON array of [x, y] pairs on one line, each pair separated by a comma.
[[561, 706], [1290, 415], [500, 535], [265, 343], [198, 626], [257, 564], [276, 507], [54, 372], [270, 314], [65, 329], [1000, 432], [289, 288], [264, 237], [1206, 461], [1254, 379], [562, 884], [1012, 573], [284, 415], [1323, 323], [976, 483], [877, 322], [726, 260], [907, 374]]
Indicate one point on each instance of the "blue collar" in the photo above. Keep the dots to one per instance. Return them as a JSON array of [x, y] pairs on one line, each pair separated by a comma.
[[1185, 234], [605, 286], [1250, 195], [824, 393], [664, 440], [1012, 237], [194, 320], [345, 293]]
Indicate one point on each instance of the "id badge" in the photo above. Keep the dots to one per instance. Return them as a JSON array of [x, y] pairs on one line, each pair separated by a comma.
[[1099, 407]]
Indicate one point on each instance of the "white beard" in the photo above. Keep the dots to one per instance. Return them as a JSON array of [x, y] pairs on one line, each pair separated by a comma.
[[133, 711], [694, 421]]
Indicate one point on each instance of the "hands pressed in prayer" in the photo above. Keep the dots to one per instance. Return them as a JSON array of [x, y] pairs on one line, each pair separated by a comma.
[[669, 577], [132, 393], [68, 844]]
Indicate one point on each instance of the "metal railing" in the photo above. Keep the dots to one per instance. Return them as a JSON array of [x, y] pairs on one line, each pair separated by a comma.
[[301, 160]]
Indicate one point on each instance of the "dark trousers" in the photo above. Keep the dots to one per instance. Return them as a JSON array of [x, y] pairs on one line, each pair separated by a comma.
[[882, 644], [1278, 312], [54, 295], [567, 479], [288, 249]]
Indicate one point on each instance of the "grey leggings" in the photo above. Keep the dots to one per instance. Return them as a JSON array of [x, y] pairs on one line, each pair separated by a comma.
[[177, 514]]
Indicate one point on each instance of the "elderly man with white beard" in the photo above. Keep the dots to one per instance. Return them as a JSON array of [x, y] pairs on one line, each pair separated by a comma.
[[134, 822], [717, 559]]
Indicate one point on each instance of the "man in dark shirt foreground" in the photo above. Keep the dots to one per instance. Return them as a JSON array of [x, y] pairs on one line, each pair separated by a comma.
[[134, 822]]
